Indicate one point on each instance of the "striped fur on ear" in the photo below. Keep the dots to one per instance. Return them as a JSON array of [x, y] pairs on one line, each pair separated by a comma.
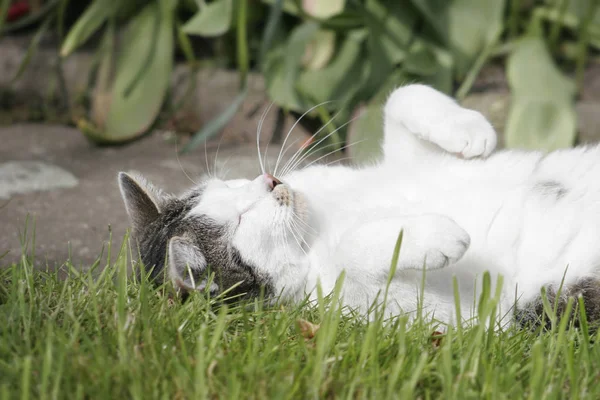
[[143, 201]]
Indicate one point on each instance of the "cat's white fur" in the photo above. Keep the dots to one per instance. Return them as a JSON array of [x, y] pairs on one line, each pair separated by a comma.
[[463, 210]]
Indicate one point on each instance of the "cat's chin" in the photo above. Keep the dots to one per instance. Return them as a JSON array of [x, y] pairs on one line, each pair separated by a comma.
[[295, 201]]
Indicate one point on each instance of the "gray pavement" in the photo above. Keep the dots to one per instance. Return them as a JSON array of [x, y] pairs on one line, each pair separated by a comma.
[[53, 175]]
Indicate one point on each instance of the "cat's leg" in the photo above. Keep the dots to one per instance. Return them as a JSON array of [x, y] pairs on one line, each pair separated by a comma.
[[419, 120], [429, 240]]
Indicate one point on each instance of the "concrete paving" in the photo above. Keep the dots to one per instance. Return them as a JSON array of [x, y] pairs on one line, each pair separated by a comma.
[[55, 177]]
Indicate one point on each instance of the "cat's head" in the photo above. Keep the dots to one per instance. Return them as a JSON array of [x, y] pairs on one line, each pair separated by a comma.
[[244, 232]]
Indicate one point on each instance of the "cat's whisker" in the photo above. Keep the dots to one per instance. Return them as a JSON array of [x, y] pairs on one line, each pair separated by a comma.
[[337, 161], [206, 160], [291, 145], [223, 172], [291, 230], [297, 218], [331, 152], [217, 155], [314, 146], [300, 234], [306, 229], [180, 165], [292, 129], [311, 150], [299, 151], [258, 132], [282, 243], [329, 135]]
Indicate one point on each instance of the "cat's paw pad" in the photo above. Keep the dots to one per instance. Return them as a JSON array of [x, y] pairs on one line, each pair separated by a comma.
[[464, 132], [444, 242]]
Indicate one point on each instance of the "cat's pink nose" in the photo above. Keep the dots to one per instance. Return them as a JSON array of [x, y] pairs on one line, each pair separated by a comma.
[[272, 181]]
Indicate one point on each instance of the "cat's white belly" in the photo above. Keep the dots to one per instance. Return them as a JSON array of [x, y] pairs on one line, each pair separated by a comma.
[[517, 231]]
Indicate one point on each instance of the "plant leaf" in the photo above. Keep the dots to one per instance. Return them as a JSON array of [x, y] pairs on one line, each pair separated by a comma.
[[283, 68], [88, 23], [338, 81], [389, 33], [323, 9], [541, 113], [465, 26], [540, 124], [143, 67], [391, 26], [573, 17], [288, 6], [273, 20], [319, 50], [421, 59], [101, 93], [131, 114], [442, 79], [366, 132], [213, 19]]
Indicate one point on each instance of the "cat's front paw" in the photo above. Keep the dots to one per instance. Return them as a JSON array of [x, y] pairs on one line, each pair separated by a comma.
[[439, 241], [436, 118], [464, 132]]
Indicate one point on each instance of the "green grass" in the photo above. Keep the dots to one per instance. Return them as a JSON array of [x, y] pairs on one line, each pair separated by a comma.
[[69, 334]]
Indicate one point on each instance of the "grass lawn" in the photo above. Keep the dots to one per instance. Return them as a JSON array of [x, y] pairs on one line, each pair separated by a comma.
[[105, 335]]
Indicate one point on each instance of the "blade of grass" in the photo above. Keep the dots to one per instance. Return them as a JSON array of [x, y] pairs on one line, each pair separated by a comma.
[[26, 379], [393, 266]]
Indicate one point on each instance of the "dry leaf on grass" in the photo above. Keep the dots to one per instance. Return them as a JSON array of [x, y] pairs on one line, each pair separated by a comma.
[[436, 339], [307, 329]]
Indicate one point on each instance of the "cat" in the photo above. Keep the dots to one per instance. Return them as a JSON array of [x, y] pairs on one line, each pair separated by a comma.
[[463, 209]]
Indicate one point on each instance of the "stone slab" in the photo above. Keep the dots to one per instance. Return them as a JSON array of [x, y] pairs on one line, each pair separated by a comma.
[[78, 212]]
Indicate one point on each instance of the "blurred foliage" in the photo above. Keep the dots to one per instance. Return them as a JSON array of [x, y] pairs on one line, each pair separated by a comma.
[[343, 55]]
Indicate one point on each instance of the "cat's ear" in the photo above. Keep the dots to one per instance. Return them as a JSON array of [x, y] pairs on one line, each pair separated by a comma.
[[143, 201], [187, 267]]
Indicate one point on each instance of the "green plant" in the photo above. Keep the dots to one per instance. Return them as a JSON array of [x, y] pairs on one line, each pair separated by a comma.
[[345, 55], [356, 52], [132, 80]]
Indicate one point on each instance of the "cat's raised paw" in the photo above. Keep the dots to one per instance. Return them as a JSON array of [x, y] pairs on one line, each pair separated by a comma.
[[436, 118], [464, 132]]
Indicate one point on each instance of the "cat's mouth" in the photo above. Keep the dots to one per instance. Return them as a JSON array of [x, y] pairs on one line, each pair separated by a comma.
[[283, 195]]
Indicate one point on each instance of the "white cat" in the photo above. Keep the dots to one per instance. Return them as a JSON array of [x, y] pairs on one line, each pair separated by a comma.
[[462, 210]]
